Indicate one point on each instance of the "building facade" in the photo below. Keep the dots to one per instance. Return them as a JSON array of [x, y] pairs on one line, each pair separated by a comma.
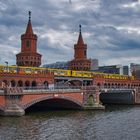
[[135, 70], [94, 64], [114, 69]]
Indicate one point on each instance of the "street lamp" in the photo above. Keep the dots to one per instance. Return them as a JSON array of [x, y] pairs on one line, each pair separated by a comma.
[[6, 62]]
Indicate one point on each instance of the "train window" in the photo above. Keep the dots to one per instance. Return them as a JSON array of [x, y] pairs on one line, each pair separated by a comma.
[[28, 70], [85, 52]]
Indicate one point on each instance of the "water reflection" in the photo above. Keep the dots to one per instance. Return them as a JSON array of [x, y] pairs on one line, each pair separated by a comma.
[[115, 123]]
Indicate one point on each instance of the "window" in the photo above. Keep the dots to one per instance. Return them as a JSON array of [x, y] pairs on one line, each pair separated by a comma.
[[85, 52], [28, 43]]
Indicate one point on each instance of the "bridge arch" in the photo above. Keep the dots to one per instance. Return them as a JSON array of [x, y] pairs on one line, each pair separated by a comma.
[[72, 100], [27, 83], [13, 83], [20, 83], [5, 82], [34, 83], [46, 84]]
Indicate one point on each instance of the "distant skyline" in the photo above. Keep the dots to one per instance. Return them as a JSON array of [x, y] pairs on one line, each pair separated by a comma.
[[110, 28]]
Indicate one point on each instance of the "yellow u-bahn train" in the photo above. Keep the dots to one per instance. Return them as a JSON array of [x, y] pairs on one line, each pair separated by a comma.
[[61, 72]]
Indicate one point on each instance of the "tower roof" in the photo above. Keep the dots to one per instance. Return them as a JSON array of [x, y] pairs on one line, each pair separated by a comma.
[[80, 38], [29, 29]]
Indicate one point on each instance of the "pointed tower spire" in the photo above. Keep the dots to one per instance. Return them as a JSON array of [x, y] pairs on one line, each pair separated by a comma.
[[29, 29], [80, 38], [80, 28], [29, 15], [80, 48]]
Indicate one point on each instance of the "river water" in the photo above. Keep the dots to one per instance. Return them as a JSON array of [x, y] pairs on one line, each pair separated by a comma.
[[115, 123]]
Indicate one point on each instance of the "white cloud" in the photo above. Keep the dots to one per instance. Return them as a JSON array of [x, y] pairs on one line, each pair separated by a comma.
[[130, 29], [132, 4]]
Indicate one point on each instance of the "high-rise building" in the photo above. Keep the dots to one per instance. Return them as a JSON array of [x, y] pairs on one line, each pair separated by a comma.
[[94, 64], [114, 69], [135, 69], [28, 55], [126, 70]]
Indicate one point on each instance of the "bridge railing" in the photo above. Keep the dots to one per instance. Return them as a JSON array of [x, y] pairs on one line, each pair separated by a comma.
[[58, 89], [116, 88], [43, 89], [39, 89], [1, 91], [49, 90]]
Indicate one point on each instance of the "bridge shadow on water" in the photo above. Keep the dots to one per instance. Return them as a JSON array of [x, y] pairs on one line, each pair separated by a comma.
[[53, 105], [121, 107]]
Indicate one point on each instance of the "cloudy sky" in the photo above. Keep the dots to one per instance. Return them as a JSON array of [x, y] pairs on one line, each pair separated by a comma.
[[111, 29]]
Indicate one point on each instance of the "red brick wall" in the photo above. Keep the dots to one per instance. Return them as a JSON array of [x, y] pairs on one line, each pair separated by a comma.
[[2, 100], [27, 99]]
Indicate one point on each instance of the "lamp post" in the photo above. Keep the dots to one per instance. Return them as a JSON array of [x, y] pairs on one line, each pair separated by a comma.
[[6, 83], [6, 62], [82, 74]]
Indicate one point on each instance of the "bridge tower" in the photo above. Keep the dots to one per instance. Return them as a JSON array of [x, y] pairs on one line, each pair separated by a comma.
[[28, 55], [80, 61]]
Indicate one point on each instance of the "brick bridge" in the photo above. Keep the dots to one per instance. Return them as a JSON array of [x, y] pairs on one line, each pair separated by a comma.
[[15, 101]]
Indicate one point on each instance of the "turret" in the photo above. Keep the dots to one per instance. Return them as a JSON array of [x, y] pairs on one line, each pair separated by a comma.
[[28, 55], [80, 49], [80, 61]]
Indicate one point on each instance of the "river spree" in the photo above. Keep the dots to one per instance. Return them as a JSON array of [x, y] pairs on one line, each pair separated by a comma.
[[115, 123]]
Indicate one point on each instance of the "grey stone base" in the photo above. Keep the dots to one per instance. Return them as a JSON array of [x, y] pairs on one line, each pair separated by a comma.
[[13, 110], [94, 107]]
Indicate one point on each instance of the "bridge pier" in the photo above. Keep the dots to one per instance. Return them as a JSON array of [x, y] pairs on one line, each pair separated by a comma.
[[137, 96], [91, 100], [12, 104], [13, 110]]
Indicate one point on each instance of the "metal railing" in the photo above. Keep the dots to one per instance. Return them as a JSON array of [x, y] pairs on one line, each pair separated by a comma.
[[51, 90], [38, 89], [60, 89]]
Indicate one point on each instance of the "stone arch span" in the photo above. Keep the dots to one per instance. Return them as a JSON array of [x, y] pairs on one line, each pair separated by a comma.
[[33, 102]]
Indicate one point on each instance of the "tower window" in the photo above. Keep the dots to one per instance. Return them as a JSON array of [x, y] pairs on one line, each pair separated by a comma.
[[85, 52], [28, 43]]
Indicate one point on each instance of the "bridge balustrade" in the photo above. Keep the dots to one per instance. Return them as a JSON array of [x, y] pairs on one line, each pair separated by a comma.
[[43, 89], [24, 90], [60, 89], [51, 90]]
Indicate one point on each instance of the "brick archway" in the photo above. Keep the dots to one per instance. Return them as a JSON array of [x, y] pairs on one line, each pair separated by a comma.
[[34, 83], [46, 84], [27, 83], [13, 83], [20, 83], [33, 102]]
